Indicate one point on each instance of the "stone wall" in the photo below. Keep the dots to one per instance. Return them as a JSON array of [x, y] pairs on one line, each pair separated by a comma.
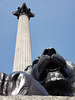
[[36, 98]]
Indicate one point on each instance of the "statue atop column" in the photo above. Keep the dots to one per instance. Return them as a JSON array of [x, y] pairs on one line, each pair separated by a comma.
[[23, 10], [23, 53]]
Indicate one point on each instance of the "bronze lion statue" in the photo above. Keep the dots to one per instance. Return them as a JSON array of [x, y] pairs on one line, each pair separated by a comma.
[[49, 74], [20, 83], [54, 73]]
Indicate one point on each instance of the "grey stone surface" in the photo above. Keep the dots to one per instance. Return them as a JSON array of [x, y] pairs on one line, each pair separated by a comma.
[[36, 98]]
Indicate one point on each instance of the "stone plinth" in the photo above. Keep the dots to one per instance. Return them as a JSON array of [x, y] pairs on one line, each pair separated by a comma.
[[36, 98]]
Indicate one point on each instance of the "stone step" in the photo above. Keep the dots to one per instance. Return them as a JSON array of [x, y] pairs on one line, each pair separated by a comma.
[[36, 98]]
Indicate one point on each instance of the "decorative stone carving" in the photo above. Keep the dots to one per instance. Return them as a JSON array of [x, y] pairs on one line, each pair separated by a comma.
[[55, 73]]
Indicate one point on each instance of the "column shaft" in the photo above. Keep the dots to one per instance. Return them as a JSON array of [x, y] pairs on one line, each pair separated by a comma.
[[23, 55]]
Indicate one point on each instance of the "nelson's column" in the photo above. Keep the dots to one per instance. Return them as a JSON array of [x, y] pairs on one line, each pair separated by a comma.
[[23, 55]]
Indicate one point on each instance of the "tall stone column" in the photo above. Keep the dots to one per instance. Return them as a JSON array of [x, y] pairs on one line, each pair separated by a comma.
[[23, 54]]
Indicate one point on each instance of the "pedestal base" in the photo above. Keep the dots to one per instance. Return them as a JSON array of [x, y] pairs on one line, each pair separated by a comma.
[[36, 98]]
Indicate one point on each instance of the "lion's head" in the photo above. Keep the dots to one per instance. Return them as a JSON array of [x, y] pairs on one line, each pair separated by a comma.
[[54, 72]]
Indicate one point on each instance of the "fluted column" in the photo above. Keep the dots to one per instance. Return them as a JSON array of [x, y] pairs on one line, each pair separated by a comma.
[[23, 54]]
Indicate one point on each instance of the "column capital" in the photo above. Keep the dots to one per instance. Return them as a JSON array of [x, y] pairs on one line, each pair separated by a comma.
[[23, 10]]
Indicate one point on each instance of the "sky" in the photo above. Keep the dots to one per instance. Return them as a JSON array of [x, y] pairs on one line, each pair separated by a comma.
[[52, 26]]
